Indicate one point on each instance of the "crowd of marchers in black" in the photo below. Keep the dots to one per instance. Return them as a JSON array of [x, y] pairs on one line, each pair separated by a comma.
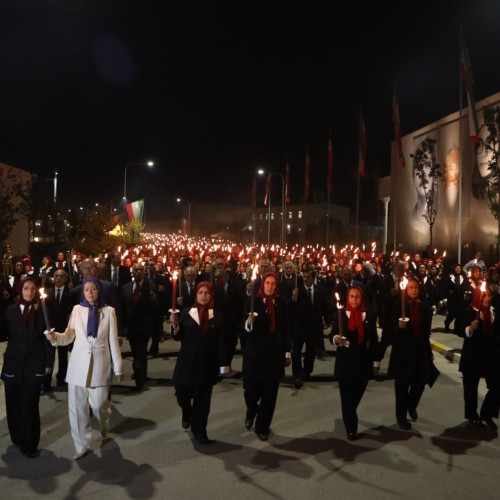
[[281, 316]]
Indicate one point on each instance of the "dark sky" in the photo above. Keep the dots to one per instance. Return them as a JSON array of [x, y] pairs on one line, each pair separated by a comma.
[[212, 90]]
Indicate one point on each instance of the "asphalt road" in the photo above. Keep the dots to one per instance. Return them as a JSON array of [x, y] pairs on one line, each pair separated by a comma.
[[148, 455]]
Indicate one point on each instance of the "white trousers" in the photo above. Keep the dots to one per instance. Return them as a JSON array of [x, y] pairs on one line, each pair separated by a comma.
[[79, 399]]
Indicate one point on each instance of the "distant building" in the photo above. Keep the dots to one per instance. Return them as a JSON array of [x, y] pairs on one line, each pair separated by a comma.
[[19, 237], [408, 229]]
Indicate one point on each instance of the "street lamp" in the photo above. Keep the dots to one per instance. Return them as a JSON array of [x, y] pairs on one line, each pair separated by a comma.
[[135, 164], [179, 200], [283, 207]]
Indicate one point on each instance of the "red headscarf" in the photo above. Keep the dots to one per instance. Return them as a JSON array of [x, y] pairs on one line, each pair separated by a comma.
[[203, 308], [356, 319], [28, 319], [484, 311], [269, 299], [415, 310]]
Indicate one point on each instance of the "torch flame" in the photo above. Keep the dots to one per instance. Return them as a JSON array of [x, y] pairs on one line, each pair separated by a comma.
[[339, 305], [483, 287], [175, 275], [255, 271], [403, 284], [444, 254], [43, 295]]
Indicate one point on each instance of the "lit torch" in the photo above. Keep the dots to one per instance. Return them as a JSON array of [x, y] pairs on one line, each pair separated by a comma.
[[403, 284], [43, 296], [339, 310]]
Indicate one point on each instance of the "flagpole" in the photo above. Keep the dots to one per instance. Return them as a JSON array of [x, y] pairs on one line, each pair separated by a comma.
[[357, 216], [460, 154], [327, 217], [269, 218]]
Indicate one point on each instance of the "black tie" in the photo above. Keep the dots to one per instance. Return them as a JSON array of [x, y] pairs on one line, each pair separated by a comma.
[[58, 296], [309, 294], [115, 276]]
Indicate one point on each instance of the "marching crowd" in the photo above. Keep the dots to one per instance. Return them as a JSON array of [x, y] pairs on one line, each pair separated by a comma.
[[280, 308]]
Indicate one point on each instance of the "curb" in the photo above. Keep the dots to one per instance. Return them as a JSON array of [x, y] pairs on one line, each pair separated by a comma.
[[447, 352]]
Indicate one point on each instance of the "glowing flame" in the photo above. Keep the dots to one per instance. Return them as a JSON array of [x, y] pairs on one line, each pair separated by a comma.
[[444, 254], [175, 275], [339, 305], [43, 295], [403, 283], [483, 287], [255, 271]]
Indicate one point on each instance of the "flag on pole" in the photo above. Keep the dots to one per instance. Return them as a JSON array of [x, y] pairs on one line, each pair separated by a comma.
[[397, 128], [268, 187], [466, 71], [362, 145], [135, 210], [329, 183], [308, 174], [254, 193], [287, 183]]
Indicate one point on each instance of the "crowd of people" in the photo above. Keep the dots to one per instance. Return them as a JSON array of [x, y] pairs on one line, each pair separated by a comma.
[[280, 305]]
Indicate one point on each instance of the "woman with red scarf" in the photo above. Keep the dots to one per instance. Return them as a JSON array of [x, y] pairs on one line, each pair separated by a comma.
[[202, 356], [480, 358], [27, 359], [356, 338], [266, 353], [411, 358]]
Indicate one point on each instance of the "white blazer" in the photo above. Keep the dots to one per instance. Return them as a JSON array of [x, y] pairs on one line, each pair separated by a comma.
[[90, 361]]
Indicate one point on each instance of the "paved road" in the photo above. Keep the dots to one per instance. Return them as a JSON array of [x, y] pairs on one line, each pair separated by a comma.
[[307, 456]]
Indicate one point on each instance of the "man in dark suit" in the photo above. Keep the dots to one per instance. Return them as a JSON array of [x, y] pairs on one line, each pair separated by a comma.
[[59, 303], [308, 309], [287, 279], [371, 284], [139, 306], [185, 299], [229, 301], [116, 273]]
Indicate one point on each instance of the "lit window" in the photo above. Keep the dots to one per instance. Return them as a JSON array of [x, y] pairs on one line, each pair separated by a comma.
[[300, 214], [290, 215], [272, 216]]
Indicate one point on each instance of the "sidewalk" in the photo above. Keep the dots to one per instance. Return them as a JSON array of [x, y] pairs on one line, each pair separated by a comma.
[[447, 344]]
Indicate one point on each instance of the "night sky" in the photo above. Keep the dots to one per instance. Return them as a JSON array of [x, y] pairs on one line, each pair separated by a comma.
[[213, 90]]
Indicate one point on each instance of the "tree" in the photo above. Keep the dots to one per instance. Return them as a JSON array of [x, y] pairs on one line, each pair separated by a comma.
[[15, 201], [428, 172], [132, 232], [491, 184]]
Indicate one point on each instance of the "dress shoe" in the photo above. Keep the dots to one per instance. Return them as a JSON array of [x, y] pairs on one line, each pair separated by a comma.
[[297, 382], [476, 422], [186, 424], [413, 415], [82, 454], [249, 423], [263, 436], [404, 424], [351, 436], [488, 422], [31, 453], [202, 438]]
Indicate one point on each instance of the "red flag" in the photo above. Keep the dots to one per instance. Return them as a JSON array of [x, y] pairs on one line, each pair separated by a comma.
[[466, 71], [362, 145], [254, 193], [308, 173], [397, 129], [329, 184], [287, 183], [268, 187]]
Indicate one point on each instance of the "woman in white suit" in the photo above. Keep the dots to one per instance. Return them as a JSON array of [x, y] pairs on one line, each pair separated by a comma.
[[93, 328]]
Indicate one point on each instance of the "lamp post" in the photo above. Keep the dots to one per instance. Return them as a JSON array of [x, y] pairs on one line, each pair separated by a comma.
[[283, 206], [135, 164], [179, 200]]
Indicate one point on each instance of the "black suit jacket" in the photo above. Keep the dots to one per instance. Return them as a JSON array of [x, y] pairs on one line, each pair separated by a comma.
[[307, 318], [124, 275], [28, 353], [138, 316], [59, 311]]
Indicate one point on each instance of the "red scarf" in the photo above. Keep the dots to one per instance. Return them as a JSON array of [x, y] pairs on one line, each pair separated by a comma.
[[356, 318], [415, 316], [269, 300], [204, 308]]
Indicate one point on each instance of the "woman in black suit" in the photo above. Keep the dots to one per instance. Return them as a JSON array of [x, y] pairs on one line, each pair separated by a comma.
[[357, 341], [27, 359], [480, 358], [265, 355], [411, 358], [202, 356]]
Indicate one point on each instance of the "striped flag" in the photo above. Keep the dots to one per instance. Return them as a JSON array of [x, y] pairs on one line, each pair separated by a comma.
[[308, 174], [135, 210], [329, 182], [397, 128], [287, 183], [362, 145], [466, 71], [267, 189]]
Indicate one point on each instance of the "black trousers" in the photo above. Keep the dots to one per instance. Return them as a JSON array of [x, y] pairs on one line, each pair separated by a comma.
[[260, 399], [195, 403], [490, 406], [23, 415], [386, 340], [408, 396], [156, 334], [139, 347], [311, 343], [351, 392]]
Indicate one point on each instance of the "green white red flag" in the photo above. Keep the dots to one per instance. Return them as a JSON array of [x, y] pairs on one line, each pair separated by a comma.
[[135, 210], [466, 72]]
